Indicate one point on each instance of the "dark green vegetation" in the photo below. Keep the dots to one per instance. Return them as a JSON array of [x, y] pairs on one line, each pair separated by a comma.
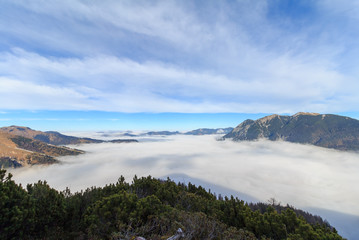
[[30, 159], [8, 162], [40, 147], [324, 130], [149, 207], [57, 138]]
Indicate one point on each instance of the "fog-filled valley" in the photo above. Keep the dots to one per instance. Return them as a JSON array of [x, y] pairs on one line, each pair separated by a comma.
[[308, 177]]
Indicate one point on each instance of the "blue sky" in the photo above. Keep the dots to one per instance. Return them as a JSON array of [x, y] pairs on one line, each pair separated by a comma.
[[108, 121], [214, 59]]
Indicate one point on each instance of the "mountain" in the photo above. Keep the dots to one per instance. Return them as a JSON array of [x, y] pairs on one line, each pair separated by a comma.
[[50, 137], [207, 131], [55, 138], [167, 133], [22, 146], [200, 131], [324, 130], [17, 151]]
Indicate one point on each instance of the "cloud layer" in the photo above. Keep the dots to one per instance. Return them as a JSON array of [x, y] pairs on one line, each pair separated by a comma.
[[178, 57], [317, 179], [305, 176]]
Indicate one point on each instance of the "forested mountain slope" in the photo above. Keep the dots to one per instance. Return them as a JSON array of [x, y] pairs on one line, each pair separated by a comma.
[[147, 207]]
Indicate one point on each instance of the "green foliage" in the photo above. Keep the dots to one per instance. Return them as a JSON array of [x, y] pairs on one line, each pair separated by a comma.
[[49, 208], [148, 207], [16, 209], [7, 162]]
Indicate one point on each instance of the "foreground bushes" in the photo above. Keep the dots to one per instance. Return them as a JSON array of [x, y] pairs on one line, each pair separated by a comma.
[[148, 207]]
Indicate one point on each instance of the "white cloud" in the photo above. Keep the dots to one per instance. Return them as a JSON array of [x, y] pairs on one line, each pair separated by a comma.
[[306, 176], [170, 57], [300, 175], [111, 83], [15, 94]]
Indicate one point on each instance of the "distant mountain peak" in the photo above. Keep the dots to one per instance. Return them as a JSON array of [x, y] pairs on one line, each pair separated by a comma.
[[306, 113], [21, 128], [324, 130], [268, 118]]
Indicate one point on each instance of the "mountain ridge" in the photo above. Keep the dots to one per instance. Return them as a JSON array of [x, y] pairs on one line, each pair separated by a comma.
[[23, 146], [53, 137], [323, 130], [18, 151]]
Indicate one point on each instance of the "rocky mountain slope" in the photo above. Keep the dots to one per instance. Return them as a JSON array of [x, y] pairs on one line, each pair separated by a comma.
[[54, 138], [324, 130], [22, 146], [50, 137], [17, 151]]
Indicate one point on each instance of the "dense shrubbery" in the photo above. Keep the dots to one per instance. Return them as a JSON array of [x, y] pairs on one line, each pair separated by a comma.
[[148, 207]]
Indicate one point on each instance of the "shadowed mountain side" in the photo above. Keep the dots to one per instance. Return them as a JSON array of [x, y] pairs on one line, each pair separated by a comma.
[[196, 132], [219, 190], [324, 130], [208, 131], [162, 133], [346, 224]]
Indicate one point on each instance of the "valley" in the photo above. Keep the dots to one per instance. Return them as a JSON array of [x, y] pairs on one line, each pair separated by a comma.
[[307, 177]]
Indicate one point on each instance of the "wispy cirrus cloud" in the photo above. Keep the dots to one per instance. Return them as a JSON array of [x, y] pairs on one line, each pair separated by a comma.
[[172, 57], [111, 83]]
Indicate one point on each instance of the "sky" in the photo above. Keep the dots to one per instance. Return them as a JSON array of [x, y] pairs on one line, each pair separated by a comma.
[[92, 59]]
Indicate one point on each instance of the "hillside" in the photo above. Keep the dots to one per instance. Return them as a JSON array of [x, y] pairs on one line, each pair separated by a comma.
[[324, 130], [150, 208], [22, 146], [17, 151], [50, 137], [55, 138]]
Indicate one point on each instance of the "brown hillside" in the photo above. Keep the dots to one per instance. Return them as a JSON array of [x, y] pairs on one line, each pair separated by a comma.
[[50, 137], [16, 151]]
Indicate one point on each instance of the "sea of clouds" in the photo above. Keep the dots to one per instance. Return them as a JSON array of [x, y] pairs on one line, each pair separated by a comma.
[[322, 181]]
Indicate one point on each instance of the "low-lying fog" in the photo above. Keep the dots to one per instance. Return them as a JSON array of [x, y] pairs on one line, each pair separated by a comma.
[[304, 176]]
